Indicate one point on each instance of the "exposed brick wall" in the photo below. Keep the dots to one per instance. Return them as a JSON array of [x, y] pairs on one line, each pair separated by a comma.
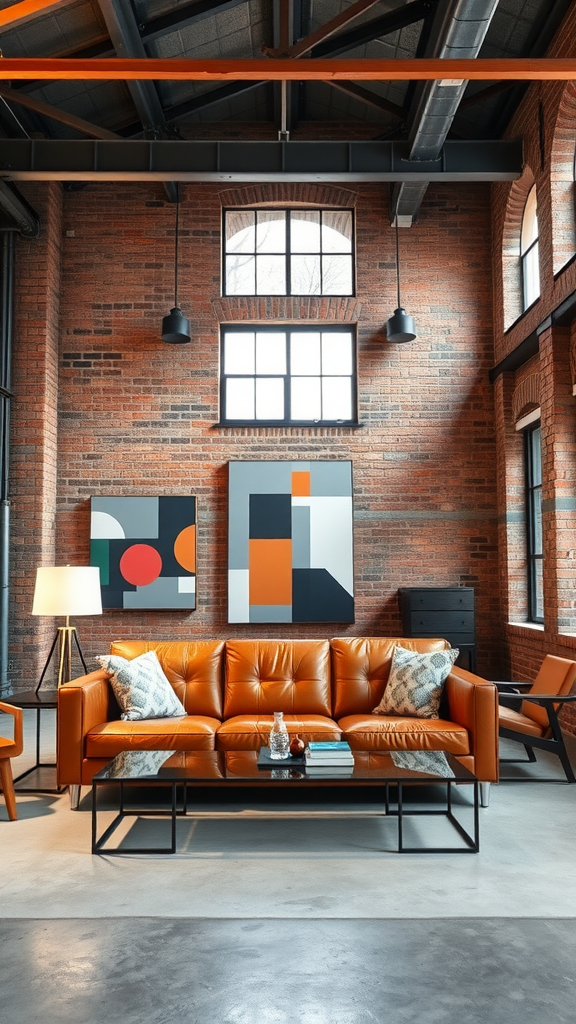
[[137, 416]]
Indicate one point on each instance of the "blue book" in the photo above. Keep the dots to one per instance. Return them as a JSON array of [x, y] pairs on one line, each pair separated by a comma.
[[339, 745]]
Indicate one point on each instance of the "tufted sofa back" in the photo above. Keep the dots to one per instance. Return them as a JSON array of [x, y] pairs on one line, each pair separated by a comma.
[[263, 676], [193, 667], [361, 666]]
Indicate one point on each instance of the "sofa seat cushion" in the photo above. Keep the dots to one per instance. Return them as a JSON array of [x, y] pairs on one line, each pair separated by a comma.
[[193, 732], [250, 732], [510, 719], [394, 732]]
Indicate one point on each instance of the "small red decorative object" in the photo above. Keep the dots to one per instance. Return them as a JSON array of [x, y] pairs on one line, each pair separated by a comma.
[[297, 746]]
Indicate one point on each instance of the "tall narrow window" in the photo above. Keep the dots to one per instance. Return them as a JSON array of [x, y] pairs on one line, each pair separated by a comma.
[[288, 252], [529, 250], [533, 471]]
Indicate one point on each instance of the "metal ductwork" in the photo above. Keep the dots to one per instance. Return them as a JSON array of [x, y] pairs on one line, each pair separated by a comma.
[[15, 213], [458, 30]]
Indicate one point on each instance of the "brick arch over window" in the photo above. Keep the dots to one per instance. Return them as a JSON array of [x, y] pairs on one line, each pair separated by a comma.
[[562, 180], [526, 396], [511, 268], [289, 193], [285, 308]]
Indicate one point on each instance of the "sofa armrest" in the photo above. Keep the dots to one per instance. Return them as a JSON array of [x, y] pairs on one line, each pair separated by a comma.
[[82, 704], [473, 703]]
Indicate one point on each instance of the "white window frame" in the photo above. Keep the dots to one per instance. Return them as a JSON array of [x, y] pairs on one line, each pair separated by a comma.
[[529, 251]]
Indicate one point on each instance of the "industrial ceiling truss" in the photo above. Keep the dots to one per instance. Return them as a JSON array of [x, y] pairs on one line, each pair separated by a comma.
[[434, 78]]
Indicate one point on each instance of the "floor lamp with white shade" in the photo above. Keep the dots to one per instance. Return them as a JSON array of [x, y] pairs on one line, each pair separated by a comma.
[[66, 590]]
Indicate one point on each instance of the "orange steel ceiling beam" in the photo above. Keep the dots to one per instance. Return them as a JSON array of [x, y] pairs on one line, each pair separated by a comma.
[[312, 70], [27, 9]]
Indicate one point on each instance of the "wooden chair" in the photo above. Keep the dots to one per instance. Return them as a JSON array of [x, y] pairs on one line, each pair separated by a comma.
[[535, 722], [8, 749]]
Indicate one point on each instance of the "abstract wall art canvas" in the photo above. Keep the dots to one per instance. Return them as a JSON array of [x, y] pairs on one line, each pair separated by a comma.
[[290, 542], [146, 551]]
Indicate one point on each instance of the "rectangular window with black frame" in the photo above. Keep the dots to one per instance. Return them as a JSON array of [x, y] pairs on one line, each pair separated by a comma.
[[533, 478], [288, 376]]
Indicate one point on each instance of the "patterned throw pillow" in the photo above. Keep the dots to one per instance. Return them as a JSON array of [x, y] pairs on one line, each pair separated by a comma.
[[141, 688], [416, 682]]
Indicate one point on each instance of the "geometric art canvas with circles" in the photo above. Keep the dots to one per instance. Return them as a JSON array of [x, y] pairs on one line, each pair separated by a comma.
[[145, 548]]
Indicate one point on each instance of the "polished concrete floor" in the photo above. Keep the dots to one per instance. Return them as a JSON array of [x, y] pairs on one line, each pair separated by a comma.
[[190, 971], [294, 921]]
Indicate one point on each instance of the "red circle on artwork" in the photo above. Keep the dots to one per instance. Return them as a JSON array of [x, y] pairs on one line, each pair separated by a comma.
[[140, 564]]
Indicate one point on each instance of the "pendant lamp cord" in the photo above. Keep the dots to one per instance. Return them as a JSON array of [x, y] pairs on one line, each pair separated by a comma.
[[397, 265], [176, 246]]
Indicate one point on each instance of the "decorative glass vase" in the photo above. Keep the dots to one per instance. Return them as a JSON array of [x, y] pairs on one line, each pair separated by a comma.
[[279, 739]]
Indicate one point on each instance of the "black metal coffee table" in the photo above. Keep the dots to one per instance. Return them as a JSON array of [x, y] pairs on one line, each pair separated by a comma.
[[182, 772]]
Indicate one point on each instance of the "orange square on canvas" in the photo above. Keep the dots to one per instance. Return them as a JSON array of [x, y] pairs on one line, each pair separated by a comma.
[[270, 566]]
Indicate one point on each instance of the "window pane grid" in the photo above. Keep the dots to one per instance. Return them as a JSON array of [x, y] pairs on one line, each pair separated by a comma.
[[533, 472], [288, 252], [292, 376]]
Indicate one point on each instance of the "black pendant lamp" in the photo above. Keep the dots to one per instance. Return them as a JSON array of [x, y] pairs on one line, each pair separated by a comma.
[[175, 326], [401, 326]]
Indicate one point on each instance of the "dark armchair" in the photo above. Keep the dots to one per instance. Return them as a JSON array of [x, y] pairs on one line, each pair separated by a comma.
[[528, 712]]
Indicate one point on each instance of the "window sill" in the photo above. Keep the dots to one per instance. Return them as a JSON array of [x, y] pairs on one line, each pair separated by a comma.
[[522, 315], [282, 425], [538, 626]]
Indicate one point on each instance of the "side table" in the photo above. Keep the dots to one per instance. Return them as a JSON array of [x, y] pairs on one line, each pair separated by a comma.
[[42, 775]]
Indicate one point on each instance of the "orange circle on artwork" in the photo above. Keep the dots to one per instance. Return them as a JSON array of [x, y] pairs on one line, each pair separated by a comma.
[[185, 548], [140, 564]]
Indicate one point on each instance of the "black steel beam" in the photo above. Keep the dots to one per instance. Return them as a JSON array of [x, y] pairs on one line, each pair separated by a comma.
[[124, 33], [166, 160], [376, 28], [183, 15], [196, 103]]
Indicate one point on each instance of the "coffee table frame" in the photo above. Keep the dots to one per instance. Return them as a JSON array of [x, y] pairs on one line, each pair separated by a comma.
[[392, 808]]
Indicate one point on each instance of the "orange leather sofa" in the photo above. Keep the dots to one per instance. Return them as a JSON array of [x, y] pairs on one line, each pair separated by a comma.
[[326, 689]]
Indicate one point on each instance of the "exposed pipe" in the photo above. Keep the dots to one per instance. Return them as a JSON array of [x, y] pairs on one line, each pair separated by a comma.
[[6, 310], [458, 31]]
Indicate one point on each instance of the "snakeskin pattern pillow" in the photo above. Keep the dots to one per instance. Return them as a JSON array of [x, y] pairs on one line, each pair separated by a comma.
[[141, 688], [416, 682]]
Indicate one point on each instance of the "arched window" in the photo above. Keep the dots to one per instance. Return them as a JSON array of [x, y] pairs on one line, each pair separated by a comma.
[[288, 252], [529, 250]]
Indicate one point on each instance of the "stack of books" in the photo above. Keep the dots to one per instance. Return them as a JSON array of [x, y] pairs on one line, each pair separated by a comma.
[[329, 757]]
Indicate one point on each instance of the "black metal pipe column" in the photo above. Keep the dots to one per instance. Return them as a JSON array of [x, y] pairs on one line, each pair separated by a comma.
[[6, 306]]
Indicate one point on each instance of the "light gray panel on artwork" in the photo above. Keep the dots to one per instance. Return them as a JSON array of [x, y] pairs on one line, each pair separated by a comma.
[[137, 516], [330, 478], [300, 537], [260, 477], [244, 479], [162, 593], [271, 613]]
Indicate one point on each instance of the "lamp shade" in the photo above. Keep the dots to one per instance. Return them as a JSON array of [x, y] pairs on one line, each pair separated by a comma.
[[176, 327], [401, 326], [67, 590]]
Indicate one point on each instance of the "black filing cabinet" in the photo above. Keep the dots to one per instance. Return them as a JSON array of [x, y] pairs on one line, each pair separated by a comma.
[[446, 612]]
